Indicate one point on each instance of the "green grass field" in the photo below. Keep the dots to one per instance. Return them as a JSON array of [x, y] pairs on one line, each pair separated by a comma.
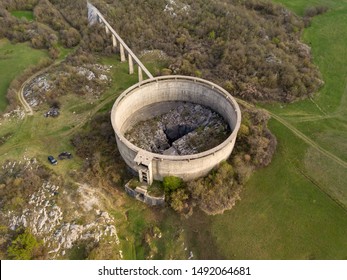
[[29, 15], [14, 59], [299, 6], [296, 207], [324, 118]]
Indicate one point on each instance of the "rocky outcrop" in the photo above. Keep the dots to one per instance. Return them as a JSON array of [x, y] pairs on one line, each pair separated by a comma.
[[184, 130]]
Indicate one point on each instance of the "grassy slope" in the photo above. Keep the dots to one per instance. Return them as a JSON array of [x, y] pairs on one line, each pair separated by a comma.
[[327, 126], [282, 215], [299, 6], [291, 210], [13, 60], [29, 15]]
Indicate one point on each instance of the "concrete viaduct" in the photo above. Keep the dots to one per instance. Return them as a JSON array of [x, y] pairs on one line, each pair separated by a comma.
[[94, 16]]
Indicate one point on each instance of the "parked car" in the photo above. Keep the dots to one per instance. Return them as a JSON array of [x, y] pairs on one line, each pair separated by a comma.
[[52, 160], [65, 155]]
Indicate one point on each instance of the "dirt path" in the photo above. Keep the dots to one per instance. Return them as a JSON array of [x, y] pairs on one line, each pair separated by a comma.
[[20, 94], [309, 141]]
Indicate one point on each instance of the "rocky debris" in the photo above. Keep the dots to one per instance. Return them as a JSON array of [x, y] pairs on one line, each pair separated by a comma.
[[42, 214], [90, 75], [304, 50], [103, 77], [16, 114], [4, 138], [34, 91], [12, 167], [159, 54], [187, 129], [88, 89], [94, 71], [175, 7], [46, 85], [100, 67], [272, 59], [48, 220], [68, 233]]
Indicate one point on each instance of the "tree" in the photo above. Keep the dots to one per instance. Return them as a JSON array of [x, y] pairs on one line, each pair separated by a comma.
[[179, 200], [24, 247], [171, 183]]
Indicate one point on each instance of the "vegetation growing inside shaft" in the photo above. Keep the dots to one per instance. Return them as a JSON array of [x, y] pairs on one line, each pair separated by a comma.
[[186, 129]]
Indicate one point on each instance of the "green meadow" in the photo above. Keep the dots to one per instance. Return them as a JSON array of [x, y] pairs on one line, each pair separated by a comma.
[[296, 207], [29, 15], [14, 59]]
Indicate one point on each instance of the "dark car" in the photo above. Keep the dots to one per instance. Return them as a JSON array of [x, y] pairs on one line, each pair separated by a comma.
[[65, 155], [52, 160]]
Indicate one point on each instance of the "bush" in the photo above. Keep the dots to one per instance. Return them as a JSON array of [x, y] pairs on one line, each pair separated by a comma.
[[314, 11], [24, 247], [171, 183], [179, 200], [216, 192]]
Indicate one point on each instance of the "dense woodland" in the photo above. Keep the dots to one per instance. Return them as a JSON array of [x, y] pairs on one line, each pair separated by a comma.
[[251, 48]]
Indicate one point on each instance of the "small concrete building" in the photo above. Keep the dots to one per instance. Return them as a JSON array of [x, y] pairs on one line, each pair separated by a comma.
[[141, 194]]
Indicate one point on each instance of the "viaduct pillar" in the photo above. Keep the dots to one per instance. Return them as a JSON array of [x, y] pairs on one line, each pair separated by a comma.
[[140, 74], [131, 64], [94, 16], [122, 53], [114, 41]]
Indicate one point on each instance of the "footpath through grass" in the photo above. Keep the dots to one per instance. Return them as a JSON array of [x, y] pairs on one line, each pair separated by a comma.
[[324, 118], [14, 59]]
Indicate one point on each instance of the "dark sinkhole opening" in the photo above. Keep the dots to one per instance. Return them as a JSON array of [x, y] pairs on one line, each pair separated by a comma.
[[177, 128], [176, 132]]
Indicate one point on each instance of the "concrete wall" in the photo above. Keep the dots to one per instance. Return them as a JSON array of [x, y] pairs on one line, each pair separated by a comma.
[[175, 88], [150, 200]]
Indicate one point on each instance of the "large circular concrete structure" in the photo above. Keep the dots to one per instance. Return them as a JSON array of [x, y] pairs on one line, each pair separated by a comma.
[[142, 100]]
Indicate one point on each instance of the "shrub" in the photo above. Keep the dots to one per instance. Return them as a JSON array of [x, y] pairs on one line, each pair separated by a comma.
[[24, 247], [216, 192], [179, 200], [172, 183], [314, 11]]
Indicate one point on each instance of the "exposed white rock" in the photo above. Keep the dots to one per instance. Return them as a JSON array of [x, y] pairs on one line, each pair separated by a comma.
[[46, 219], [175, 7]]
